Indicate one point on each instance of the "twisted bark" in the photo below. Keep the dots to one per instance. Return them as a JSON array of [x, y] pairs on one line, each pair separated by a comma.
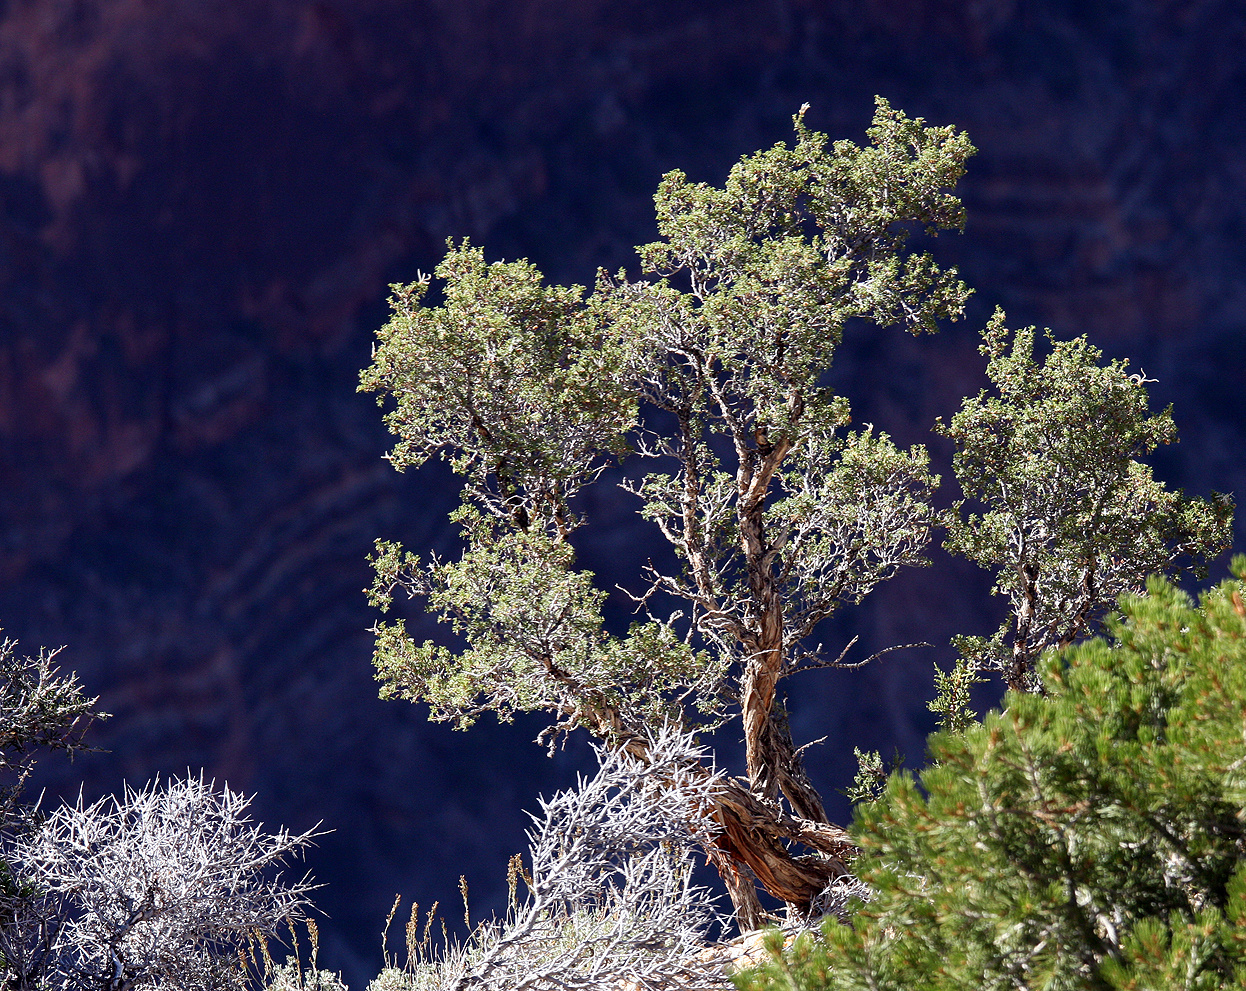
[[752, 845]]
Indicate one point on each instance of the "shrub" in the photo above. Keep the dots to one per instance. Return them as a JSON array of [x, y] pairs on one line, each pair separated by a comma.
[[158, 889], [611, 902]]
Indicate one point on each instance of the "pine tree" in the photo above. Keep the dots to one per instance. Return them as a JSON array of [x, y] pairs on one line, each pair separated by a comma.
[[1091, 838]]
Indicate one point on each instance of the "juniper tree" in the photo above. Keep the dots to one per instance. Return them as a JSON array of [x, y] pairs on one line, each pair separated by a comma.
[[711, 367], [1069, 519], [1090, 838]]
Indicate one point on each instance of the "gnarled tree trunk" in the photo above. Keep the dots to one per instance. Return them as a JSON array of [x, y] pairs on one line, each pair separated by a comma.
[[752, 844]]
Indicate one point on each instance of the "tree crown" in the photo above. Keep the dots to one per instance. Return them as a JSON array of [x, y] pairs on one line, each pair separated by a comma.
[[1069, 519]]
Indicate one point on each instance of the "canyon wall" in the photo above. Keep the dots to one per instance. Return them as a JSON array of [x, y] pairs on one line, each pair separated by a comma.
[[202, 203]]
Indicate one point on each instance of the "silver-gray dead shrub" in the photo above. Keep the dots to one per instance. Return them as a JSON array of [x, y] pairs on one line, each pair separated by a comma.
[[157, 889], [611, 900]]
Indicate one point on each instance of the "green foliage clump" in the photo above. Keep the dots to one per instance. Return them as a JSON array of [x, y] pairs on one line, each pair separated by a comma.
[[39, 711], [515, 382], [1070, 519], [394, 979], [536, 636], [1093, 837]]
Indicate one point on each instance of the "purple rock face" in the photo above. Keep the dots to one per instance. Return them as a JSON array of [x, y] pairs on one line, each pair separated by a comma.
[[201, 204]]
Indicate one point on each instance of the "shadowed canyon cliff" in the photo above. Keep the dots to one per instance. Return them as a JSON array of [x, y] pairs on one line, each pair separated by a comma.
[[203, 202]]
